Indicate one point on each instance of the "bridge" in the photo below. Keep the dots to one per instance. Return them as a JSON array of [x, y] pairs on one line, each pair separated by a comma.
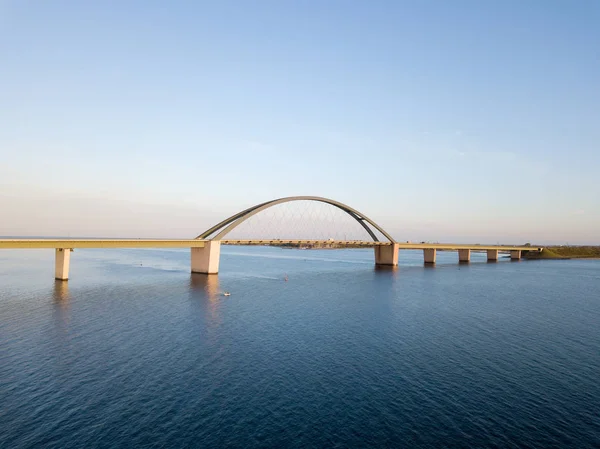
[[206, 247]]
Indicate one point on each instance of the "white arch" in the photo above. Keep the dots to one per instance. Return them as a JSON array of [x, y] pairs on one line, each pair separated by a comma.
[[228, 225]]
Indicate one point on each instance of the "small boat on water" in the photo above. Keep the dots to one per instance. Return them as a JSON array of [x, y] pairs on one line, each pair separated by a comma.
[[226, 294]]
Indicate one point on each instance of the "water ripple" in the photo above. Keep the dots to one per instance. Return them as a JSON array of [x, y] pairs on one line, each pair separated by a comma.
[[145, 355]]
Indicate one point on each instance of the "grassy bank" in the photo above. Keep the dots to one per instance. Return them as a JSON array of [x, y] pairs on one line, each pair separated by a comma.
[[566, 252]]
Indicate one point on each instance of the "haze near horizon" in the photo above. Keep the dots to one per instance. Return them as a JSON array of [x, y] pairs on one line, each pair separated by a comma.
[[443, 121]]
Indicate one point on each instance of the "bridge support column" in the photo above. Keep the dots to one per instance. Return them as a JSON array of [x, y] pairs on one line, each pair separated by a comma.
[[206, 260], [464, 255], [515, 255], [429, 255], [386, 254], [492, 255], [62, 261]]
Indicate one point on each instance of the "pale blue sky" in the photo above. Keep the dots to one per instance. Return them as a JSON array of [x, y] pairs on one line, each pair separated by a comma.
[[442, 120]]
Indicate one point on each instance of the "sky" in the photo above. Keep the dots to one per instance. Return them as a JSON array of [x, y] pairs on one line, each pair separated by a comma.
[[462, 121]]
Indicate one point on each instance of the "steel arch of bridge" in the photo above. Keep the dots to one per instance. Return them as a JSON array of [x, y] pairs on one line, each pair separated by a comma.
[[226, 226]]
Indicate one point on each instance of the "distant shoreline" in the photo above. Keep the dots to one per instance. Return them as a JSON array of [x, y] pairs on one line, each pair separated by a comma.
[[564, 252], [320, 245]]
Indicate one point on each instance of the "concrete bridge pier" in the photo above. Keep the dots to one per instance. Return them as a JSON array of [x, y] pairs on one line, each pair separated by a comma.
[[464, 255], [386, 254], [206, 260], [492, 255], [61, 263], [515, 255], [429, 255]]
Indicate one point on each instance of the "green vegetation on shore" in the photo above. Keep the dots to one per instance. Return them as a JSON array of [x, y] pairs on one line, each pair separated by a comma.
[[565, 252]]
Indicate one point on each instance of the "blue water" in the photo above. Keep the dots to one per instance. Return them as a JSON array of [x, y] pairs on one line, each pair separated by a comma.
[[135, 352]]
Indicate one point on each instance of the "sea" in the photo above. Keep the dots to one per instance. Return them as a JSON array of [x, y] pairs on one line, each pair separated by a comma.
[[135, 352]]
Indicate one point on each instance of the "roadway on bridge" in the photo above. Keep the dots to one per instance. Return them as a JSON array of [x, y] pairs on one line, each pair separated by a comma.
[[367, 243], [198, 243], [100, 243]]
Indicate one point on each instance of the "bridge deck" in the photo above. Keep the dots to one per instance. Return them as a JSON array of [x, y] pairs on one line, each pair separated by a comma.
[[197, 243], [364, 243], [100, 243]]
